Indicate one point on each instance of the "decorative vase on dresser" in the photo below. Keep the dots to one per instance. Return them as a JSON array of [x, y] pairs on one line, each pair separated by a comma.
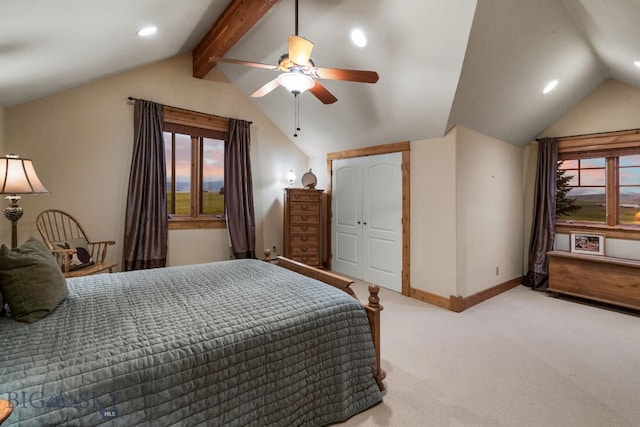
[[303, 226]]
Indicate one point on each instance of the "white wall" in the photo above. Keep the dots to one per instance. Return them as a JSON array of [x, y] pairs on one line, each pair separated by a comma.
[[612, 106], [489, 211], [81, 143], [318, 165]]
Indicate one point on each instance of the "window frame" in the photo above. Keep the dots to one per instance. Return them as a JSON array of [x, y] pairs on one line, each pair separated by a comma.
[[197, 125], [610, 145]]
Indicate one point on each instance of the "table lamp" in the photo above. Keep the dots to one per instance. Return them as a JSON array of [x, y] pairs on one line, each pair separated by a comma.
[[17, 176]]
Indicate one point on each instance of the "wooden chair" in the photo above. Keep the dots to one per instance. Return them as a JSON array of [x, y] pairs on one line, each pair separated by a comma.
[[57, 229]]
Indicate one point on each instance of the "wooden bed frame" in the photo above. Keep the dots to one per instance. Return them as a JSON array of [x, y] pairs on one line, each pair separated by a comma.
[[5, 410], [373, 307]]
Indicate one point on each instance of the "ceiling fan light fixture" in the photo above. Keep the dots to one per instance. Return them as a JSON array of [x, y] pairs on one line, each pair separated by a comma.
[[295, 83]]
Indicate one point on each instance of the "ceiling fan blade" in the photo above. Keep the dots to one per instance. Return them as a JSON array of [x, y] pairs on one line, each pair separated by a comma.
[[273, 84], [240, 62], [322, 93], [347, 75], [299, 50]]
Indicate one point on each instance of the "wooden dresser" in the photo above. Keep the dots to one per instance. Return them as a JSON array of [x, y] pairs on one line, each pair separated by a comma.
[[303, 226]]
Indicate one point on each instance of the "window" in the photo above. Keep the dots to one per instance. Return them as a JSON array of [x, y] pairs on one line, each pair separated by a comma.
[[583, 197], [598, 184], [195, 166], [194, 153]]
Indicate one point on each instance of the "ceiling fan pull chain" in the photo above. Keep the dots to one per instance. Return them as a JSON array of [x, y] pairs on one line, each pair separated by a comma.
[[296, 114]]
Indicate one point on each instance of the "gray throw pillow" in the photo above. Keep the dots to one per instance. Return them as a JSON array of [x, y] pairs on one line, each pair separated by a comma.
[[31, 281]]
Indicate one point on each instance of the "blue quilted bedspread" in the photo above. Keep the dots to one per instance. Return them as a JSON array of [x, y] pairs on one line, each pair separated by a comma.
[[231, 343]]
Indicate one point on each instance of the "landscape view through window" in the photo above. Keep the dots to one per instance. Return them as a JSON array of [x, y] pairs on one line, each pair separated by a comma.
[[582, 188]]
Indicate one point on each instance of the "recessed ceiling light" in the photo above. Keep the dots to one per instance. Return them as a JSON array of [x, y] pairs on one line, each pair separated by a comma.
[[358, 38], [147, 31], [637, 64], [550, 86]]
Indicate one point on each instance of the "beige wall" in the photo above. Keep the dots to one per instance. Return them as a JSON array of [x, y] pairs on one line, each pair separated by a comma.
[[81, 142], [612, 106], [5, 236], [433, 215], [489, 211], [2, 126], [466, 213]]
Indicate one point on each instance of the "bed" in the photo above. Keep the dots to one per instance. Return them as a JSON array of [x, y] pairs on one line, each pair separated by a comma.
[[241, 342]]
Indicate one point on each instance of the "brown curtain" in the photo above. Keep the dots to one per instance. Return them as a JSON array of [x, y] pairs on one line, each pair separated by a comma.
[[543, 229], [145, 234], [238, 190]]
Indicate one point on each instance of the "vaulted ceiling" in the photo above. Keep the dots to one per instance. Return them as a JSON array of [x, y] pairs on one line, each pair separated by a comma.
[[481, 64]]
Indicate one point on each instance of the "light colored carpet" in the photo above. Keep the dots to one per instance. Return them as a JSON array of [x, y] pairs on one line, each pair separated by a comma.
[[519, 359]]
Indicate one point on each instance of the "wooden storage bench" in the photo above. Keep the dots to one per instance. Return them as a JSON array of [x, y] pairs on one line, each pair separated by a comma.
[[599, 278]]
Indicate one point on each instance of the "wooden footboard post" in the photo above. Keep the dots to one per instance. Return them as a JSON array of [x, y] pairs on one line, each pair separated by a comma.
[[373, 309]]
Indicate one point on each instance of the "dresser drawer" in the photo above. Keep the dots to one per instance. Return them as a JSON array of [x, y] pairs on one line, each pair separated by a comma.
[[298, 229], [304, 219], [304, 239], [305, 250], [302, 196], [305, 208]]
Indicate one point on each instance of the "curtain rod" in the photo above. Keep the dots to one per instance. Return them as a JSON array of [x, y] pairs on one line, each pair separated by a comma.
[[637, 130], [131, 100]]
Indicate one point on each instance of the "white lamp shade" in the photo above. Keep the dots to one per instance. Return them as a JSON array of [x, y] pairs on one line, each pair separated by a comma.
[[17, 176], [295, 82]]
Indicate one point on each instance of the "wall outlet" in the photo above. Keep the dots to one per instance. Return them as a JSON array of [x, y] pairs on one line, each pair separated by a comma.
[[497, 270]]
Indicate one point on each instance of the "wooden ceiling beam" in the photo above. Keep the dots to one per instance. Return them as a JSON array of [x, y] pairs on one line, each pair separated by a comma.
[[237, 19]]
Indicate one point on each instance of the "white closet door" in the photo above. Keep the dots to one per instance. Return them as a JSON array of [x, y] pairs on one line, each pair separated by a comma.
[[347, 217], [382, 220], [367, 219]]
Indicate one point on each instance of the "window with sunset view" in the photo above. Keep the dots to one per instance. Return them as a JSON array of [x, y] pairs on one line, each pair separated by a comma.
[[195, 175], [589, 188]]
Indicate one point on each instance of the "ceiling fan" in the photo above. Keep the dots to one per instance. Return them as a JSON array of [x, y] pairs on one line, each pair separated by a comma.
[[299, 73]]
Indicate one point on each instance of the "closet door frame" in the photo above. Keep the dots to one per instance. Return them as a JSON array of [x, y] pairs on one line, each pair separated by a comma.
[[404, 148]]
